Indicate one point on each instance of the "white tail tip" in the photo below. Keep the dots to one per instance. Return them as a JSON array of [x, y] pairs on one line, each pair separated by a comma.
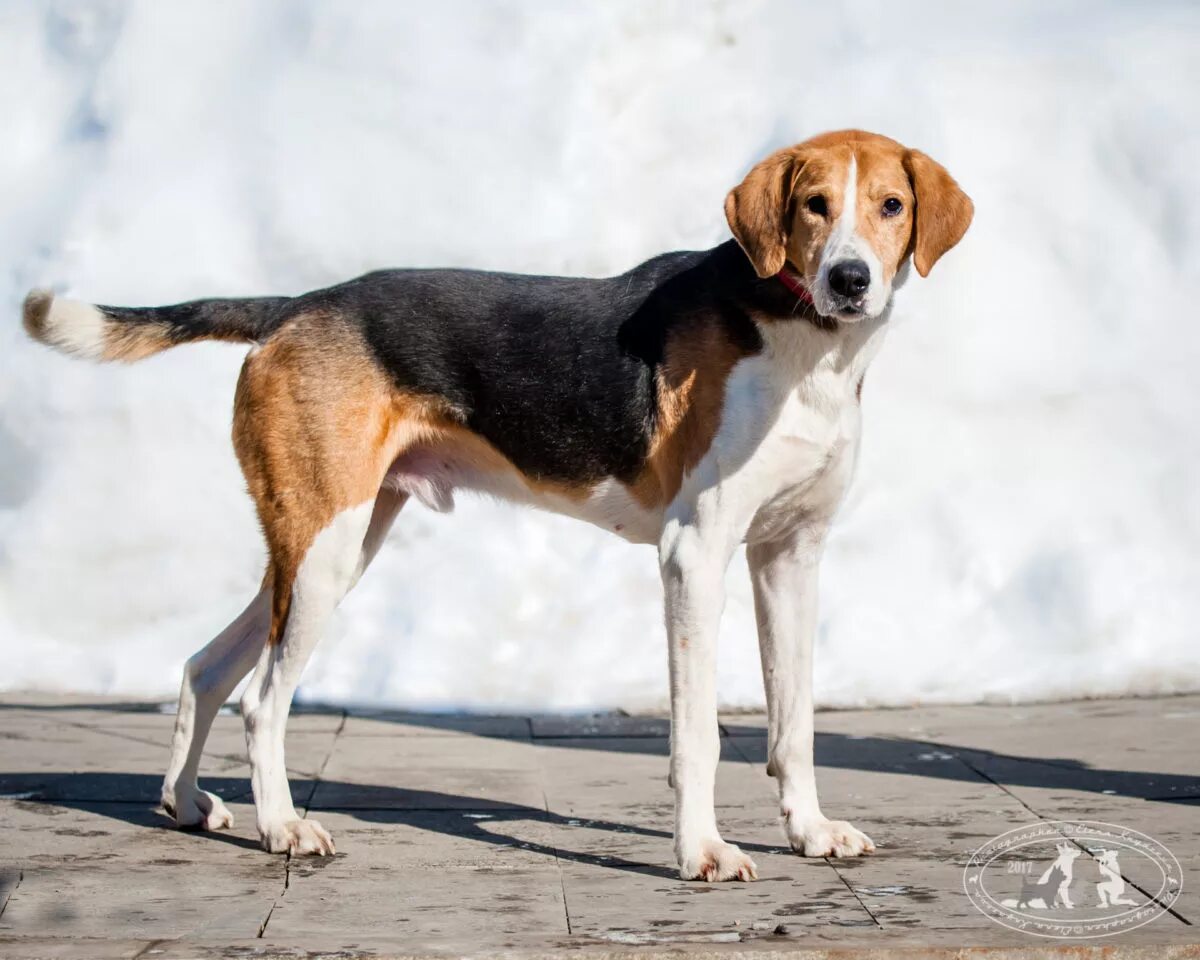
[[72, 326]]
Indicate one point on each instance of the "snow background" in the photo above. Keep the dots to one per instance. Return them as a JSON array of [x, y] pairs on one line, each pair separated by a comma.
[[1026, 518]]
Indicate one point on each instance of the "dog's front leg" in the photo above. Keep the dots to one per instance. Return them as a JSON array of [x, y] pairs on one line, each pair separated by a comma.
[[693, 561], [784, 574]]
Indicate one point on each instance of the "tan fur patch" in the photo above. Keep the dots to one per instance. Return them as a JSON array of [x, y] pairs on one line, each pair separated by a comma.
[[134, 341], [315, 428], [690, 396]]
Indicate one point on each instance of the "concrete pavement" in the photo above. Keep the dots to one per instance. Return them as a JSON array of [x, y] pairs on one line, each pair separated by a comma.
[[538, 836]]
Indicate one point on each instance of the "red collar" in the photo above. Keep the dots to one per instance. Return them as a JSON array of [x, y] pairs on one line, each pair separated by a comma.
[[795, 284]]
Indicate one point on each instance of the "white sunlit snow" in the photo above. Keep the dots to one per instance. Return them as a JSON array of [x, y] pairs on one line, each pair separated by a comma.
[[1026, 518]]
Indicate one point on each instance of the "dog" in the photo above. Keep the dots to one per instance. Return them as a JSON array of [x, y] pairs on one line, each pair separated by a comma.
[[1064, 867], [699, 401], [1042, 894], [1111, 889]]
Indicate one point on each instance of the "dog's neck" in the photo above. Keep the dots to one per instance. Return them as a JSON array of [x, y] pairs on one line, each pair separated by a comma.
[[791, 279], [802, 351]]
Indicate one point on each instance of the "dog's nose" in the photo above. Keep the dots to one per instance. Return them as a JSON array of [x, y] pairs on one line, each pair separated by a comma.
[[849, 278]]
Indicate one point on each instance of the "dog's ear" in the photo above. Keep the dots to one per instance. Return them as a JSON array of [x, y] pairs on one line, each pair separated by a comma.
[[943, 211], [758, 209]]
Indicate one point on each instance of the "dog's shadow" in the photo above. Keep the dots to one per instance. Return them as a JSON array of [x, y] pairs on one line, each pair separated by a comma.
[[132, 797], [129, 797]]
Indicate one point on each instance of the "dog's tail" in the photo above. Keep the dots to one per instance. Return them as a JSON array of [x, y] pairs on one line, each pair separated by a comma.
[[131, 333]]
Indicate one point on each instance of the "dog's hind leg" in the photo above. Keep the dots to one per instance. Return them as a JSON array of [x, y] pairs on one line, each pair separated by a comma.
[[210, 676], [331, 567], [208, 679], [316, 426], [327, 571]]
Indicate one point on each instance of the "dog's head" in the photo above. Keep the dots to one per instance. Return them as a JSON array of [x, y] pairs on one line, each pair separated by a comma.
[[1068, 850], [845, 211]]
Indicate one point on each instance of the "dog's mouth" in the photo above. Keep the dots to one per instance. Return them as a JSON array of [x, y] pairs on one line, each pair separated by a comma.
[[839, 308], [836, 306]]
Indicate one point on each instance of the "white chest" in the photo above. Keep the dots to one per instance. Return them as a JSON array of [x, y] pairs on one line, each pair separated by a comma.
[[802, 469], [788, 442]]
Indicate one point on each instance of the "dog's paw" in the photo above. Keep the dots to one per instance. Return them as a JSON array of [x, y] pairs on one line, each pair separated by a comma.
[[299, 838], [197, 810], [827, 838], [716, 860]]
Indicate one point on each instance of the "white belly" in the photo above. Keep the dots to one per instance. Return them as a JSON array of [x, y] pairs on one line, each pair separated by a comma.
[[610, 507], [433, 478]]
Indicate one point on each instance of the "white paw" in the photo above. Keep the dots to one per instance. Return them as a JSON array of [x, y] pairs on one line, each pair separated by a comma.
[[827, 838], [299, 838], [716, 860], [197, 809]]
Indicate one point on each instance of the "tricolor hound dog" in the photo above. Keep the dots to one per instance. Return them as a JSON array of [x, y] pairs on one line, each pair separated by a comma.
[[699, 401]]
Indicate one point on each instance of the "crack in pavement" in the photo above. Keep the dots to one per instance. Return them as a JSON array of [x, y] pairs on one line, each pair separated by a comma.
[[306, 805], [562, 880], [849, 886], [153, 945], [8, 893]]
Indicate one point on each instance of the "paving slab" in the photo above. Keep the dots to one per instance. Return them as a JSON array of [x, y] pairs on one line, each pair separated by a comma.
[[621, 883], [169, 884], [496, 904], [590, 774], [430, 773], [385, 843], [72, 948]]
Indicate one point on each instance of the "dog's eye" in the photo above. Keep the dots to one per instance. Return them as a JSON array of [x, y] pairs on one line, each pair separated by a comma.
[[816, 204], [891, 207]]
